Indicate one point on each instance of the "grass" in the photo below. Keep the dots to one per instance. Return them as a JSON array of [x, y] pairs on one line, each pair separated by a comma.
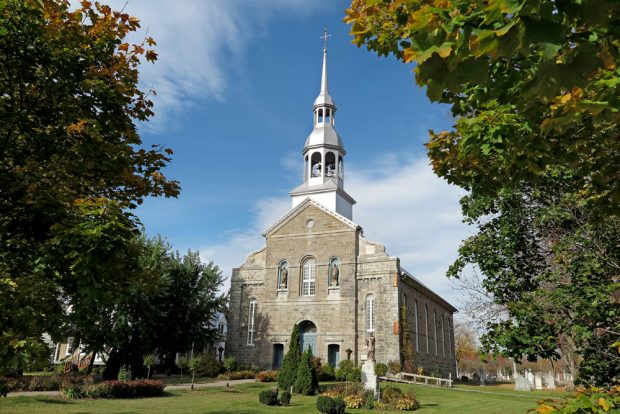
[[243, 399]]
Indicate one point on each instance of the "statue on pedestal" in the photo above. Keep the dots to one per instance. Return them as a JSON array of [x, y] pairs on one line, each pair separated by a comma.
[[283, 277], [370, 343], [335, 274]]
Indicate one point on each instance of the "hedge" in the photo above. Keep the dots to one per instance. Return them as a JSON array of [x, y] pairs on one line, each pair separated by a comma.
[[328, 405], [117, 389], [52, 382]]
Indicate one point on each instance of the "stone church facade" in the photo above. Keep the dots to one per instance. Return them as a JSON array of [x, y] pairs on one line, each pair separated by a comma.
[[317, 270]]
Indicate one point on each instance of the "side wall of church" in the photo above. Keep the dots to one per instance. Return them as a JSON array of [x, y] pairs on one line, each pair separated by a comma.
[[376, 275], [430, 327]]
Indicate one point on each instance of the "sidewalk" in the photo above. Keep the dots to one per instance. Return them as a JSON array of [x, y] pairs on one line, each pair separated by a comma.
[[168, 388]]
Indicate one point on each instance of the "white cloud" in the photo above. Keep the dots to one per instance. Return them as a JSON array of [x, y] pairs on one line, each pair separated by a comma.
[[400, 204], [199, 43]]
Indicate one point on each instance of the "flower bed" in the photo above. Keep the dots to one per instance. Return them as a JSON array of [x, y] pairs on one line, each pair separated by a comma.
[[116, 389]]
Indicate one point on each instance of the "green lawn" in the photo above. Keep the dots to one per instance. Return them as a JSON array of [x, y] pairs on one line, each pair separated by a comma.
[[244, 399]]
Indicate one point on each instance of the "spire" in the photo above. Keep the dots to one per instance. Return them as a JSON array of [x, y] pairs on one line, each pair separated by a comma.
[[324, 98]]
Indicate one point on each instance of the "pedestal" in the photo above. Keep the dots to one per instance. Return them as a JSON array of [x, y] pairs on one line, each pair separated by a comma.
[[369, 379]]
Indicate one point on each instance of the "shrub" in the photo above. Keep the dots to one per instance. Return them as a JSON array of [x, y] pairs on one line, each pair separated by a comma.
[[344, 369], [246, 374], [328, 405], [593, 400], [268, 397], [267, 376], [306, 381], [118, 389], [354, 401], [326, 373], [391, 394], [369, 401], [406, 402], [394, 367], [124, 374], [209, 366], [72, 392], [381, 369], [4, 387], [285, 398]]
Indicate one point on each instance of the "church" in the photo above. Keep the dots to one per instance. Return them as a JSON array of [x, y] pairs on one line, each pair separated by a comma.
[[318, 271]]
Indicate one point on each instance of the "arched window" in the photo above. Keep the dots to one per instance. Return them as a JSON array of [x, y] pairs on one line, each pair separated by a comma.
[[333, 275], [450, 337], [435, 327], [426, 324], [370, 314], [327, 115], [340, 167], [316, 164], [443, 336], [417, 331], [251, 322], [283, 275], [308, 287], [330, 164], [320, 119]]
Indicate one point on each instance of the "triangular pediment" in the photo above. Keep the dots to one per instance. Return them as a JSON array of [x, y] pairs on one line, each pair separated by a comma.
[[298, 217]]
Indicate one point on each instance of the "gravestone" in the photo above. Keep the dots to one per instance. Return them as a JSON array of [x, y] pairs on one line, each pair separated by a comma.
[[538, 382], [522, 384], [476, 379], [550, 381], [530, 378]]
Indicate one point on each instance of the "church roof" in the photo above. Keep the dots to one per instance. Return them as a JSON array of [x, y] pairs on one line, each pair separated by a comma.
[[406, 275], [324, 134], [302, 206], [327, 186]]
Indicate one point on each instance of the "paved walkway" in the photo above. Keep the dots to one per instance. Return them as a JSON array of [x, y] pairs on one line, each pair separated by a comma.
[[168, 388]]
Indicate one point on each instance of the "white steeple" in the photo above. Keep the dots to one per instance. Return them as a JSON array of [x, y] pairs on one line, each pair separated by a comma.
[[323, 155]]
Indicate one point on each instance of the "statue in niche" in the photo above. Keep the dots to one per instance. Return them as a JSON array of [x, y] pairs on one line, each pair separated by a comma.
[[335, 274], [283, 277], [316, 170], [370, 343]]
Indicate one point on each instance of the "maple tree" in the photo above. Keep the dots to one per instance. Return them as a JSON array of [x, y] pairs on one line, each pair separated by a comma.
[[533, 87], [71, 162]]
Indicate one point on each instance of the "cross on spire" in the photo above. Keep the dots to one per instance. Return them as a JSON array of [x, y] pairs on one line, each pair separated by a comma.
[[324, 37]]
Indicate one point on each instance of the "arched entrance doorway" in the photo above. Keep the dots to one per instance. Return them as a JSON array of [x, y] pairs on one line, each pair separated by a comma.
[[307, 330]]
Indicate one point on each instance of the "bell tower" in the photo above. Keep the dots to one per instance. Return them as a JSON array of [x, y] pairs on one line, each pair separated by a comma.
[[323, 155]]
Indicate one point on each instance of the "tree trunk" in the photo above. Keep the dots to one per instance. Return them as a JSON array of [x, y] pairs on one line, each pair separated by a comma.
[[91, 363]]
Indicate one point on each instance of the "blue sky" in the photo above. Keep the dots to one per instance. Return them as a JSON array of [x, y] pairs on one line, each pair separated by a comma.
[[235, 84]]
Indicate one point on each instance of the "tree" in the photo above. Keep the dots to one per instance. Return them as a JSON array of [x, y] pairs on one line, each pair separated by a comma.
[[465, 349], [71, 163], [193, 365], [149, 361], [531, 85], [306, 381], [182, 363], [288, 372], [230, 364]]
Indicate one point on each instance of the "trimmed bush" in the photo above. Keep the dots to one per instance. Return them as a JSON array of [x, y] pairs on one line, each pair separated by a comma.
[[209, 366], [391, 394], [326, 373], [288, 372], [328, 405], [117, 389], [306, 382], [235, 375], [124, 374], [381, 369], [46, 382], [407, 402], [268, 397], [267, 376], [285, 398]]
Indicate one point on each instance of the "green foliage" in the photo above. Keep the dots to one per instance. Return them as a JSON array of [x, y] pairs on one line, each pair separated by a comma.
[[284, 398], [267, 376], [326, 373], [123, 389], [209, 366], [328, 405], [235, 375], [230, 364], [346, 370], [381, 369], [124, 374], [268, 397], [69, 220], [394, 367], [590, 401], [531, 84], [306, 381], [4, 387], [288, 372]]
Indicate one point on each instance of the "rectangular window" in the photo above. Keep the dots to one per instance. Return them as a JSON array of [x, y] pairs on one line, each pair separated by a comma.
[[309, 280], [220, 328], [251, 318]]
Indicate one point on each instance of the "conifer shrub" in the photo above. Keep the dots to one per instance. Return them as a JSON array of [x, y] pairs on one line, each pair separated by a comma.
[[306, 381], [288, 373], [328, 405], [285, 398], [268, 397]]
